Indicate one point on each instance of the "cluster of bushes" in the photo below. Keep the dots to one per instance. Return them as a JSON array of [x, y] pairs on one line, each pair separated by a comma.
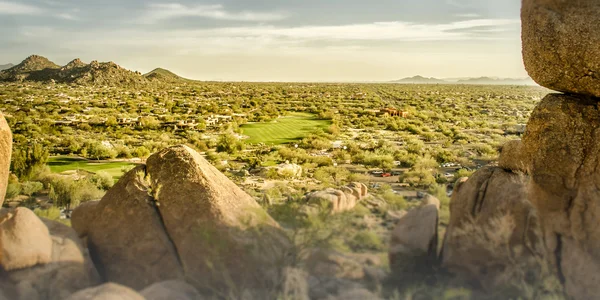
[[67, 192]]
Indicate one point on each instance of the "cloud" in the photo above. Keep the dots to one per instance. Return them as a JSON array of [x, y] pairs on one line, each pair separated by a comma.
[[165, 11], [468, 16], [67, 16], [12, 8], [286, 40]]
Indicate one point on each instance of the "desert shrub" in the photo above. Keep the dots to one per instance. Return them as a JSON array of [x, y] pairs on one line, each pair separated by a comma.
[[31, 187], [13, 190], [125, 169], [52, 213], [394, 201], [463, 173], [102, 180], [366, 240], [65, 192]]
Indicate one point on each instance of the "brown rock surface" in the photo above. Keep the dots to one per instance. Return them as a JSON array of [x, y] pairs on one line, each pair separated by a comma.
[[178, 217], [560, 44], [83, 217], [493, 231], [512, 157], [171, 290], [413, 244], [562, 144], [107, 291], [69, 270], [126, 236], [221, 234], [24, 239], [5, 154], [336, 200]]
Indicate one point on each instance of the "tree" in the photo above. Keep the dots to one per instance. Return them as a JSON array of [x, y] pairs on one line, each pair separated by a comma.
[[229, 143], [25, 161]]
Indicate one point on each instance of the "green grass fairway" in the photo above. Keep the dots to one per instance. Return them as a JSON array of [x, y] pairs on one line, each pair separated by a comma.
[[61, 164], [284, 130]]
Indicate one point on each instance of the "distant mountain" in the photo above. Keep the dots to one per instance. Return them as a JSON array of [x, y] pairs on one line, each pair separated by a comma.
[[7, 66], [163, 75], [467, 80], [420, 80], [497, 81], [38, 68]]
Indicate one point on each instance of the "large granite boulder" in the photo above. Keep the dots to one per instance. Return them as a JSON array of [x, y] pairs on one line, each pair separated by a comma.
[[24, 239], [69, 270], [414, 241], [107, 291], [178, 217], [560, 44], [126, 236], [5, 154], [562, 146], [494, 239]]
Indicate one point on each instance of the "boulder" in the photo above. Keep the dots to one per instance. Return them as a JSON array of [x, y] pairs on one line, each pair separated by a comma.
[[512, 158], [364, 191], [562, 146], [324, 263], [83, 216], [560, 44], [430, 199], [351, 192], [178, 217], [107, 291], [494, 235], [171, 290], [413, 243], [221, 234], [334, 200], [69, 270], [126, 236], [5, 154], [24, 239]]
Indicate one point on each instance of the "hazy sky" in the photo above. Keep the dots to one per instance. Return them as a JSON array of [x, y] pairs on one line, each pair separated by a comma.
[[279, 40]]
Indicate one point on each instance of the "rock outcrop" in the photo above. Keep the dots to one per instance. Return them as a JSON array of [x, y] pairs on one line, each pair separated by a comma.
[[24, 239], [334, 200], [562, 144], [5, 153], [494, 232], [414, 241], [178, 217], [560, 44]]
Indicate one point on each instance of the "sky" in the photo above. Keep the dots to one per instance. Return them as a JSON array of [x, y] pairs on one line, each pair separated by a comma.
[[272, 40]]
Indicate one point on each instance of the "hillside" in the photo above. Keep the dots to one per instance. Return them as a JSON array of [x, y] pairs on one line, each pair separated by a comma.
[[7, 66], [163, 75], [38, 68]]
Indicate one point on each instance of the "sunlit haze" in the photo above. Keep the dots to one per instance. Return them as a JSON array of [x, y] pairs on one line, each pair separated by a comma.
[[249, 40]]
